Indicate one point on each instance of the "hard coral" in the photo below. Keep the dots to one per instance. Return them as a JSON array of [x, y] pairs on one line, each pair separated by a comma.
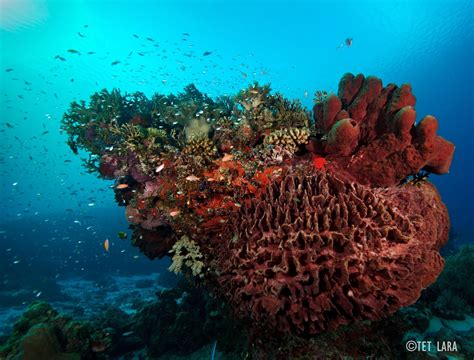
[[200, 147], [289, 138], [314, 252]]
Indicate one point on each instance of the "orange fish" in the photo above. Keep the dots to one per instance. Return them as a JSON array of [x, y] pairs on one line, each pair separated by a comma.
[[319, 162], [106, 244], [227, 157], [122, 186]]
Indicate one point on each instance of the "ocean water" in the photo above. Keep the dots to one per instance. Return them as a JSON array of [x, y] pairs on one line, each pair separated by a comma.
[[55, 216]]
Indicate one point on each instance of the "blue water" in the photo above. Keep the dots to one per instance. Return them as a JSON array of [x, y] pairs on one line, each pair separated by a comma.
[[296, 46]]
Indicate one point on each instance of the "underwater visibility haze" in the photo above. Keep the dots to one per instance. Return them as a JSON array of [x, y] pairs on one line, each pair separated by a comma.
[[217, 179]]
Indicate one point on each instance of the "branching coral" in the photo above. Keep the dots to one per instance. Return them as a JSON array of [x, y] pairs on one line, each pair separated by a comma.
[[262, 111], [88, 126], [290, 113], [130, 135], [254, 97], [200, 147], [157, 136], [289, 139], [178, 111], [139, 148], [320, 96]]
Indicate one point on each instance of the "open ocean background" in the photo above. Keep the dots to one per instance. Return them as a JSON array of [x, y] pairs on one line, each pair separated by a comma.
[[55, 216]]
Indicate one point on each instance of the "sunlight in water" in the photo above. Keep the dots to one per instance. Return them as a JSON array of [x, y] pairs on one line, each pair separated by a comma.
[[19, 14]]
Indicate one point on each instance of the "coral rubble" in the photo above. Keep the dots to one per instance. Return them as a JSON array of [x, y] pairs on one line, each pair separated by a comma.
[[301, 222]]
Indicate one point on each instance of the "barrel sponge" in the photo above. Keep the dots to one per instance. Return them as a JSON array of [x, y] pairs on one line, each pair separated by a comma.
[[342, 138], [343, 252], [326, 112]]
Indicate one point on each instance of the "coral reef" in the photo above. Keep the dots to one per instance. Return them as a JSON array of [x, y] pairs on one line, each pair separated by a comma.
[[302, 223], [158, 326], [42, 333], [180, 321]]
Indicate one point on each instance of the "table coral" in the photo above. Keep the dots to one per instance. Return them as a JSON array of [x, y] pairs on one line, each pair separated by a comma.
[[303, 223]]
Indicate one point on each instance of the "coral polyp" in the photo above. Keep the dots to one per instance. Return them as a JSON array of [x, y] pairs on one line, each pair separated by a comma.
[[302, 221]]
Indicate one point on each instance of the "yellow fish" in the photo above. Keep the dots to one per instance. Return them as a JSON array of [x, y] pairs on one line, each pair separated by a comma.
[[122, 186], [106, 244]]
